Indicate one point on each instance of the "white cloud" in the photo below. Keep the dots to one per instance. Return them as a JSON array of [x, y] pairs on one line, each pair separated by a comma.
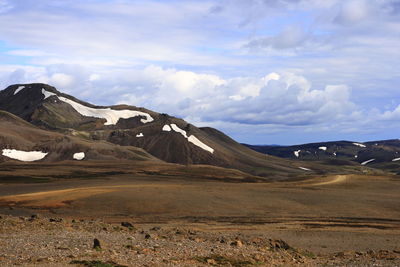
[[313, 64], [291, 37], [61, 80], [353, 11]]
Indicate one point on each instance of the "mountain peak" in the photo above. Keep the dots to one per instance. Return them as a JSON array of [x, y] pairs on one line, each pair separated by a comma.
[[163, 136]]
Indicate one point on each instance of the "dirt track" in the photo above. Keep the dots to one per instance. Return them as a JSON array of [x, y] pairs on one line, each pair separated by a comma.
[[336, 179]]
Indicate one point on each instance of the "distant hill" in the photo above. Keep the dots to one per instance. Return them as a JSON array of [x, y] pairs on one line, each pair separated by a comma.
[[377, 154]]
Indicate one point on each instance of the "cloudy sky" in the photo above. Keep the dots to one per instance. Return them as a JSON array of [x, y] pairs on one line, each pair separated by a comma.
[[263, 71]]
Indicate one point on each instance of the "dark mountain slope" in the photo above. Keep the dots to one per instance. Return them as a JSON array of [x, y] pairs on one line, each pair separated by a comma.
[[17, 134], [165, 137]]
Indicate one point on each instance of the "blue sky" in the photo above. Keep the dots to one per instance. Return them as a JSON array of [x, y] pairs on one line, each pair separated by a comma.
[[263, 71]]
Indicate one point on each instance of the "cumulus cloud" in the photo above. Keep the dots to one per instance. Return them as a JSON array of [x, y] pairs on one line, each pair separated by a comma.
[[264, 105], [269, 66]]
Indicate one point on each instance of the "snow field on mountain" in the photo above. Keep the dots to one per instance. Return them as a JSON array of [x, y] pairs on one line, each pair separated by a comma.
[[192, 139], [112, 116], [24, 155], [19, 89], [79, 156], [360, 145], [368, 161]]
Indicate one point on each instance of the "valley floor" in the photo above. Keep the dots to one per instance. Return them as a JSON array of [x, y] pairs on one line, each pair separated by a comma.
[[179, 219]]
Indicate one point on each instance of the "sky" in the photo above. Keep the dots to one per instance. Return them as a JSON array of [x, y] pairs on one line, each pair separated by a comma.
[[262, 71]]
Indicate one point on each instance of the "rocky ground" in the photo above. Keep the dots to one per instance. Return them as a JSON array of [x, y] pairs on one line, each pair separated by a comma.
[[46, 241]]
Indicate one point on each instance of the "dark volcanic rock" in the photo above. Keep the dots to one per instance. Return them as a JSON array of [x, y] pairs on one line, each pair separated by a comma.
[[96, 244]]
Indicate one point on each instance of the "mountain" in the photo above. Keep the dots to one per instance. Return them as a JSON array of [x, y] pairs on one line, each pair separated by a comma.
[[164, 137], [23, 141], [383, 155]]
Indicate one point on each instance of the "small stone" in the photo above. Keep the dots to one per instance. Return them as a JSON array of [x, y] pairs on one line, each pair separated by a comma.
[[211, 262], [127, 224], [147, 236], [279, 244], [237, 243], [96, 244]]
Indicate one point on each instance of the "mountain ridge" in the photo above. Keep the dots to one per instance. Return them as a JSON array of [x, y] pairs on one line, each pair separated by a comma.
[[382, 154], [164, 137]]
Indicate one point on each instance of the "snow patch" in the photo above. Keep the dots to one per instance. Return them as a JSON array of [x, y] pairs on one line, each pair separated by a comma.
[[360, 145], [19, 89], [166, 128], [304, 169], [297, 153], [79, 156], [396, 159], [140, 135], [24, 155], [47, 93], [112, 116], [324, 148], [178, 130], [368, 161], [192, 139]]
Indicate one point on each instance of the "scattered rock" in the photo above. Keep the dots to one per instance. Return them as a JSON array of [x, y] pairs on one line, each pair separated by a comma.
[[147, 236], [237, 243], [279, 244], [127, 224], [96, 244], [55, 220], [211, 262], [178, 232], [33, 217]]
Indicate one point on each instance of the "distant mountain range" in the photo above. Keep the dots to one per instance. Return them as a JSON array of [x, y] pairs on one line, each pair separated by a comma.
[[63, 127], [383, 155]]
